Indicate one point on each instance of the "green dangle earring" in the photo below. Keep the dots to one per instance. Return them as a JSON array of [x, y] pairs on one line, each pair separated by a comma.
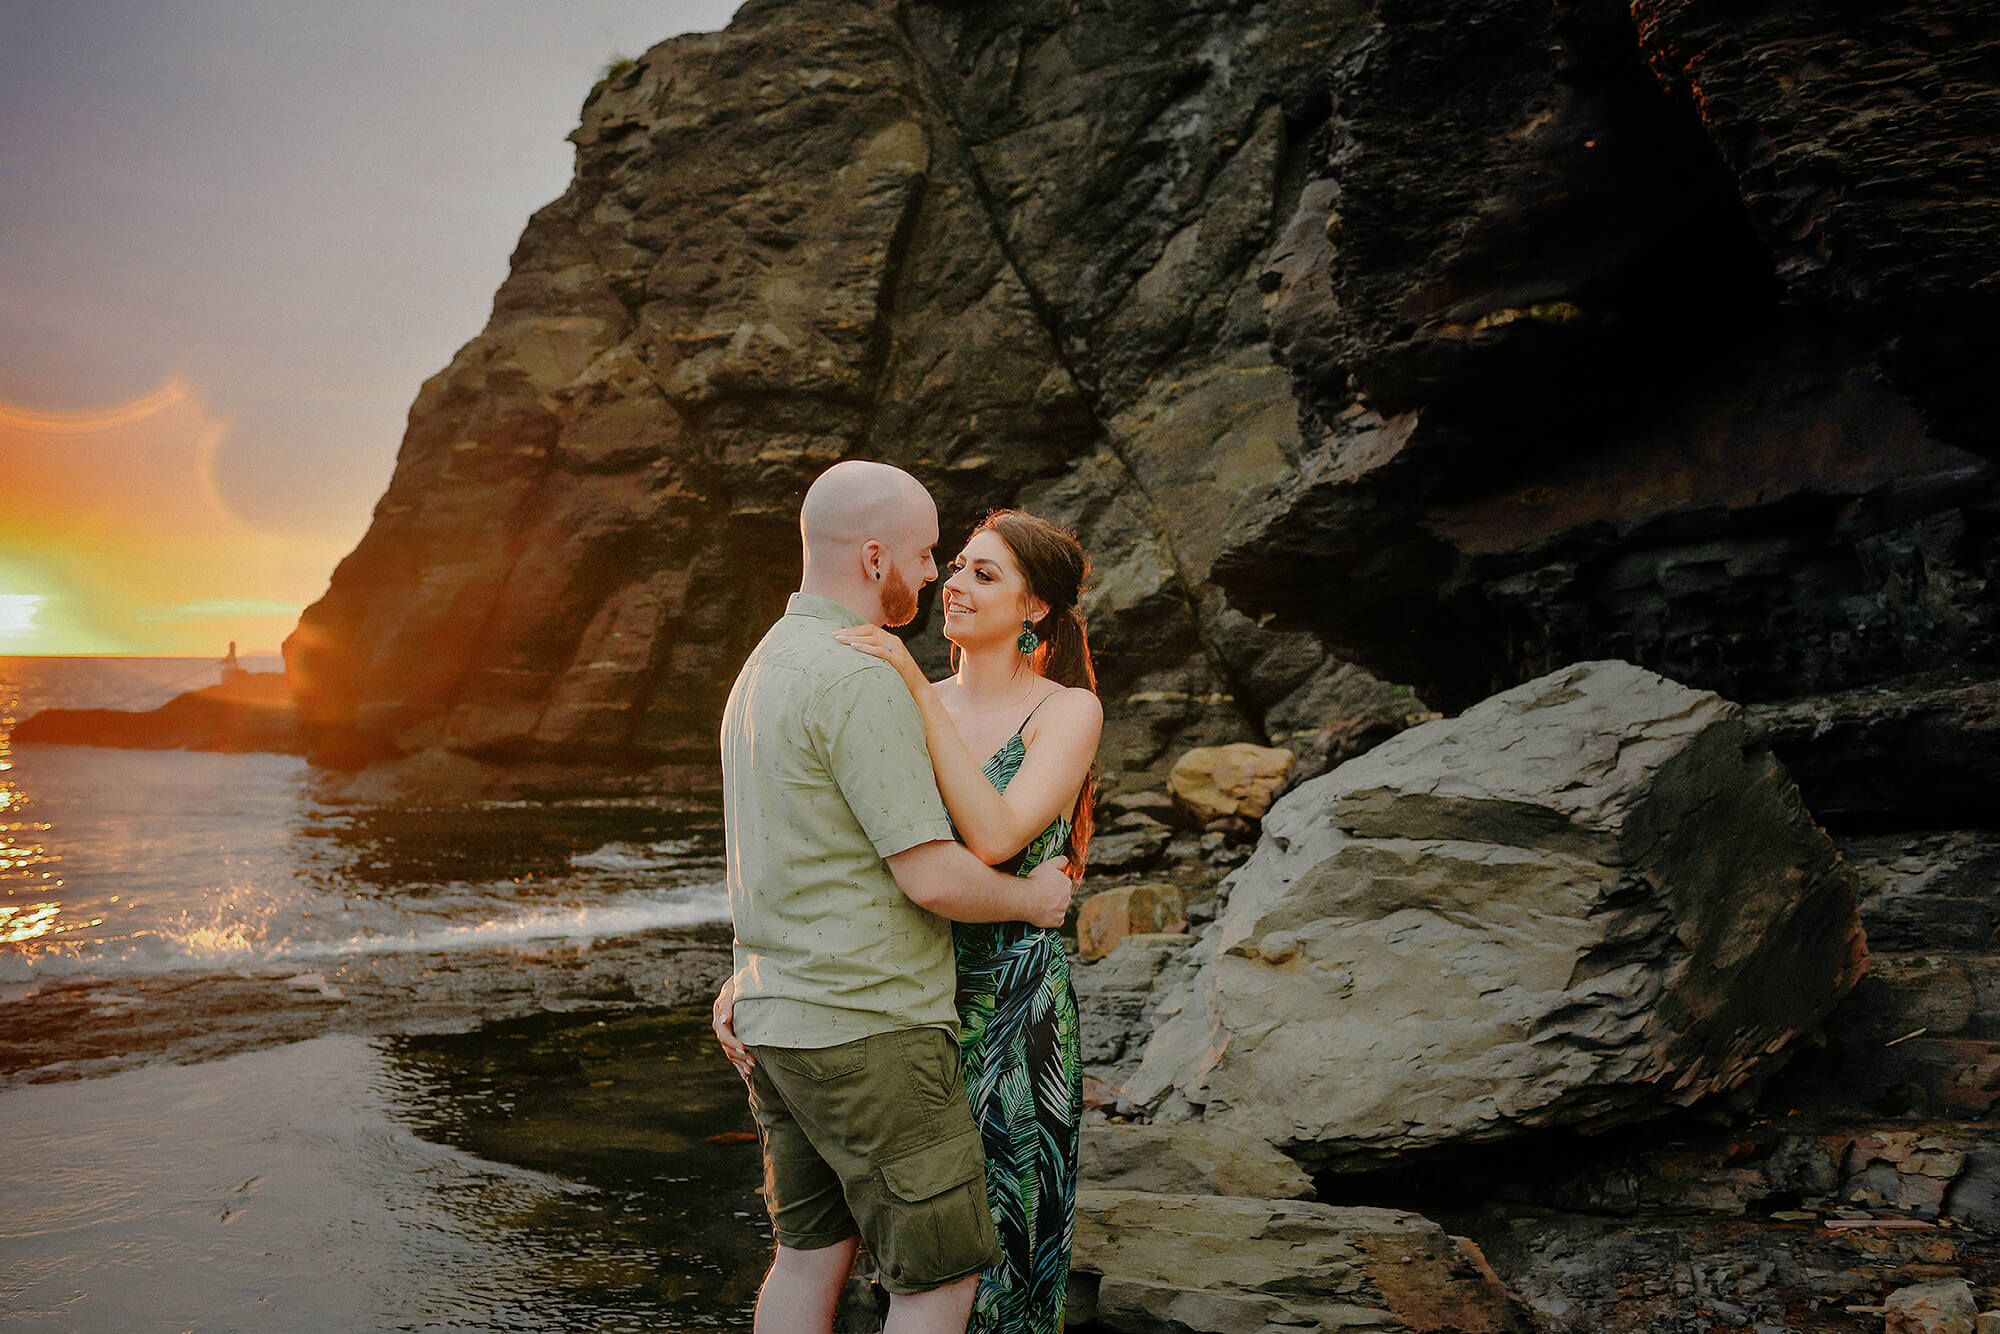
[[1027, 639]]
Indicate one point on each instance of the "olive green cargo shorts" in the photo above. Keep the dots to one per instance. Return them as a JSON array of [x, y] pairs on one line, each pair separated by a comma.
[[874, 1136]]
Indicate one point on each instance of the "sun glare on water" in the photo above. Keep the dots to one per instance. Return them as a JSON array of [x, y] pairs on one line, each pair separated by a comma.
[[27, 864], [28, 922]]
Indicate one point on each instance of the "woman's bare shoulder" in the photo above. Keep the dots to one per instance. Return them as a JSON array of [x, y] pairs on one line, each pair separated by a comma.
[[1071, 706]]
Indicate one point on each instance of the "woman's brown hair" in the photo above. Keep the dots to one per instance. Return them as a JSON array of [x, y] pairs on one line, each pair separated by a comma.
[[1055, 567]]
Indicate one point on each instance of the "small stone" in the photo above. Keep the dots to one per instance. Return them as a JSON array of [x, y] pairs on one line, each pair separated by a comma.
[[1239, 779], [1132, 843], [1107, 918], [1158, 805], [1945, 1307], [1232, 828]]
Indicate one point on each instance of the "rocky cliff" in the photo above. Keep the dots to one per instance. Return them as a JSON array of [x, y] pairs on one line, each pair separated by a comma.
[[1384, 358], [1012, 250], [1455, 341]]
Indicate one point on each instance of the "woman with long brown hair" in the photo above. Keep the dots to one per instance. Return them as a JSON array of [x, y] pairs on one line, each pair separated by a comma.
[[1013, 737]]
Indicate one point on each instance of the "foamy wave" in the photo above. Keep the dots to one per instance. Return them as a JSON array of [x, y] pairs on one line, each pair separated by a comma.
[[226, 936], [696, 906], [635, 856]]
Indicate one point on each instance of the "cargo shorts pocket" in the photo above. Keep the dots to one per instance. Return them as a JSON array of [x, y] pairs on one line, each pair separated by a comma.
[[943, 1229], [818, 1064]]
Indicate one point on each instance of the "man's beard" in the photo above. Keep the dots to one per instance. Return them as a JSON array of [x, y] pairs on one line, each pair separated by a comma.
[[899, 600]]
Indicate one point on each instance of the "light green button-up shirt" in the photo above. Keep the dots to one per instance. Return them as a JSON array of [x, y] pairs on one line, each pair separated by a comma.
[[824, 774]]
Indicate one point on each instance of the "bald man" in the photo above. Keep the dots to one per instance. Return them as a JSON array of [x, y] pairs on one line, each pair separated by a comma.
[[843, 881]]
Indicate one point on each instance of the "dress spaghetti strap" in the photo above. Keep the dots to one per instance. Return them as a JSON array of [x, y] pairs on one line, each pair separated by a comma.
[[1037, 709]]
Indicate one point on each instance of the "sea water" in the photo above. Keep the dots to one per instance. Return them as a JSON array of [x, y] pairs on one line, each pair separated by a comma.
[[582, 1170], [118, 862]]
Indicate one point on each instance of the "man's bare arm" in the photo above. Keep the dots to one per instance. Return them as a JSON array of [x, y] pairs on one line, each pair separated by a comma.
[[947, 879]]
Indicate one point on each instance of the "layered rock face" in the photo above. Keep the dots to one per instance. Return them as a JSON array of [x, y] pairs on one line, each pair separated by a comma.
[[1455, 341], [1011, 249], [1591, 899]]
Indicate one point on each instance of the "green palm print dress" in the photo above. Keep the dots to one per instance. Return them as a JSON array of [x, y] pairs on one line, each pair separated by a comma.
[[1024, 1076]]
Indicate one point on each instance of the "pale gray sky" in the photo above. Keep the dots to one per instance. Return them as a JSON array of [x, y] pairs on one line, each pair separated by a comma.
[[297, 211]]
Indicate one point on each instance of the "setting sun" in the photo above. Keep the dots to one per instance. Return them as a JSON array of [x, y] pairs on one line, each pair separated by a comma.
[[124, 542]]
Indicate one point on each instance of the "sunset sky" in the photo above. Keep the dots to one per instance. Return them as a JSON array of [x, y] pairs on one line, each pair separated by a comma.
[[235, 237]]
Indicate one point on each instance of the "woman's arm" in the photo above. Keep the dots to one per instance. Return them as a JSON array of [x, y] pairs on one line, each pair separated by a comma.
[[994, 825]]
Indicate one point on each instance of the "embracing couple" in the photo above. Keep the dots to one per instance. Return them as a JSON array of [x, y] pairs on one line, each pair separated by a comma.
[[899, 856]]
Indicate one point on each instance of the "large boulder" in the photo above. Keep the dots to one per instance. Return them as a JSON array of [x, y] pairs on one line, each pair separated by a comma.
[[1204, 1263], [1588, 900]]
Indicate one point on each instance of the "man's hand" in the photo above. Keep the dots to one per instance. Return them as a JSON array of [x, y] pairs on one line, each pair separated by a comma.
[[722, 1019], [1050, 891]]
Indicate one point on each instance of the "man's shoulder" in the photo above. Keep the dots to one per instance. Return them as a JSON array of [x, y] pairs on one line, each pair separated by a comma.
[[805, 664], [806, 644]]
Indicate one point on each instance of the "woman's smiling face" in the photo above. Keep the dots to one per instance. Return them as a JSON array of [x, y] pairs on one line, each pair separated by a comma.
[[987, 596]]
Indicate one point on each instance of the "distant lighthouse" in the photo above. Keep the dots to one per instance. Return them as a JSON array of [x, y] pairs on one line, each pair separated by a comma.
[[231, 672]]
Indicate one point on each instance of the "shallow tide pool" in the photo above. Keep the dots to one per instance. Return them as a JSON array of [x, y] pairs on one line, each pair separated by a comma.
[[557, 1173]]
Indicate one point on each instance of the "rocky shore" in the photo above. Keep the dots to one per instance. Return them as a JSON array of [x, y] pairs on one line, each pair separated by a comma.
[[1555, 427], [1552, 1016], [254, 711], [1716, 1108]]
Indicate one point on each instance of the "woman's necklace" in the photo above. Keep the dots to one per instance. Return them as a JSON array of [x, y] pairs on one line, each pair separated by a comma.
[[997, 708]]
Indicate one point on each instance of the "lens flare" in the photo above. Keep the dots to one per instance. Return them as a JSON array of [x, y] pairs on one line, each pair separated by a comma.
[[121, 539]]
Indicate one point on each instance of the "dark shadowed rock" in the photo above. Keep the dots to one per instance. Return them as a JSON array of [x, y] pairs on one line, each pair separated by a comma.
[[1922, 752], [1637, 342], [1129, 843], [1591, 899], [253, 712], [1847, 144], [1928, 890]]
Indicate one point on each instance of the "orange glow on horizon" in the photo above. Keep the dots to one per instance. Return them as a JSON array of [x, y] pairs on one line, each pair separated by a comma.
[[119, 540]]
